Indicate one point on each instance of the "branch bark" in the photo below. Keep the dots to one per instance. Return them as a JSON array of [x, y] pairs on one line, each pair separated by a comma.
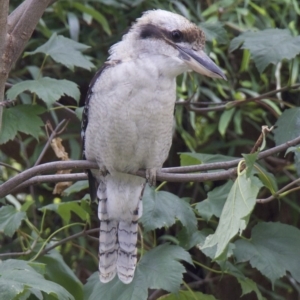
[[167, 174], [4, 4]]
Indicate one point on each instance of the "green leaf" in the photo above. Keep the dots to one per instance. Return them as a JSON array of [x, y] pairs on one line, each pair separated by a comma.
[[187, 295], [267, 178], [214, 31], [157, 269], [235, 215], [187, 159], [273, 250], [64, 209], [225, 119], [215, 201], [16, 276], [188, 240], [287, 126], [76, 187], [249, 286], [23, 118], [95, 14], [65, 51], [10, 219], [78, 112], [47, 89], [269, 46], [163, 208], [246, 283], [58, 271], [250, 160]]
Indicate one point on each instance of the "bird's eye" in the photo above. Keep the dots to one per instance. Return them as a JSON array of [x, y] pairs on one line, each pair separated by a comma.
[[176, 36]]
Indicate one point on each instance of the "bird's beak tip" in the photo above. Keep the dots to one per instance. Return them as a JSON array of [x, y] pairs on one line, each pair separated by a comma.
[[200, 62]]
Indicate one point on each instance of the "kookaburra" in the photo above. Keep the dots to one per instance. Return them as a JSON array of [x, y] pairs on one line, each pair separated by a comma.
[[127, 125]]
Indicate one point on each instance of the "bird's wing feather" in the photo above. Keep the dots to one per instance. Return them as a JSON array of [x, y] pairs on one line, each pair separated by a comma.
[[93, 185]]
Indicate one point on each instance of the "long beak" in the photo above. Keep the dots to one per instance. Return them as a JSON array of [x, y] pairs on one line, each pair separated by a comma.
[[199, 62]]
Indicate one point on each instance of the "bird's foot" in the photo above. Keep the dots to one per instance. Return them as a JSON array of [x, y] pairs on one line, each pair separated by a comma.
[[151, 176]]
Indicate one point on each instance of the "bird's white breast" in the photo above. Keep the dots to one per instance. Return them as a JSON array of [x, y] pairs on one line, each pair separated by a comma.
[[131, 115]]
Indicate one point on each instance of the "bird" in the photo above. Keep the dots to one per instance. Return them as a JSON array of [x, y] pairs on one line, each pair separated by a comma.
[[127, 125]]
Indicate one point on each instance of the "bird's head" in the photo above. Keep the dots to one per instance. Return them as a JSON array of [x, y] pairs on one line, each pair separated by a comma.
[[169, 40]]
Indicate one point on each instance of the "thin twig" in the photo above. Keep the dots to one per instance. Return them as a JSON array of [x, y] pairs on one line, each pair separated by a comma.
[[71, 237], [20, 253], [9, 166], [277, 194], [51, 137], [234, 103]]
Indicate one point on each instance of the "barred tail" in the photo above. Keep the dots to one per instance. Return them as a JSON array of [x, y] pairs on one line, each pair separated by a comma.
[[127, 253], [108, 244]]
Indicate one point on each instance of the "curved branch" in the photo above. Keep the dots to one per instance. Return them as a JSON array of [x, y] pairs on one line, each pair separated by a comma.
[[55, 166], [166, 174], [231, 163], [49, 178]]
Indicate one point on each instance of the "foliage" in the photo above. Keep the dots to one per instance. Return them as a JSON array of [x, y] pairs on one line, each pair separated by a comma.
[[196, 239]]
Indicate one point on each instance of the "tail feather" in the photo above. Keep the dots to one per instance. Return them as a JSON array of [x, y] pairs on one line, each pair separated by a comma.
[[108, 250], [118, 235], [127, 253], [108, 244]]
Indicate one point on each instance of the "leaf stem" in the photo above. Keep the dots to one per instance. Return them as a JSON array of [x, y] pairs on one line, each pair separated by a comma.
[[189, 289], [207, 268], [160, 186], [52, 235]]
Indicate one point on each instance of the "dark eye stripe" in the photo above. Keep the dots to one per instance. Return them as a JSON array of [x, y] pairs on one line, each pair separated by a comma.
[[189, 36]]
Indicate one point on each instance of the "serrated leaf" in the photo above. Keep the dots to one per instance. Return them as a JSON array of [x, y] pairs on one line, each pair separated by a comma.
[[188, 240], [10, 219], [215, 201], [47, 89], [269, 46], [187, 295], [235, 214], [273, 250], [16, 276], [287, 126], [214, 31], [162, 209], [76, 187], [64, 209], [58, 271], [65, 51], [157, 269], [247, 285], [23, 118]]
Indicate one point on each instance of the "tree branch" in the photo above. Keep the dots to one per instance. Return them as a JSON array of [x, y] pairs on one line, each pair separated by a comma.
[[230, 104], [21, 24], [49, 178], [4, 4], [166, 174]]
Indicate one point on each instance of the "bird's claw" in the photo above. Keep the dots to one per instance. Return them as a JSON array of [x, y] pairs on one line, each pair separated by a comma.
[[151, 176]]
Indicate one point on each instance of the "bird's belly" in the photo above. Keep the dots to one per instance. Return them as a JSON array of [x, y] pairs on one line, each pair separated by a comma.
[[143, 140]]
